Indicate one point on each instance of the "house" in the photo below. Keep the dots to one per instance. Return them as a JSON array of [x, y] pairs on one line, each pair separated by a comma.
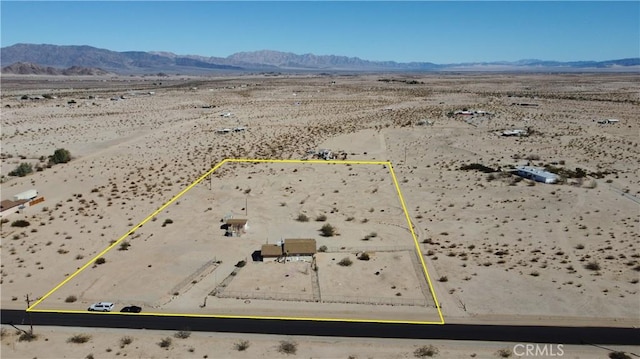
[[537, 174], [8, 207], [515, 133], [271, 252], [299, 248], [236, 226]]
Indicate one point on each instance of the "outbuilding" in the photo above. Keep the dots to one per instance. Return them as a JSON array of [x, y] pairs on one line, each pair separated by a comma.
[[537, 174]]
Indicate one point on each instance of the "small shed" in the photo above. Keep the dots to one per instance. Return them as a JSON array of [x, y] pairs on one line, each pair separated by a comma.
[[271, 252], [236, 226], [300, 247]]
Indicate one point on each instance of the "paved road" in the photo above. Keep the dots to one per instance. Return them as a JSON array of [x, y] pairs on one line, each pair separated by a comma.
[[510, 333]]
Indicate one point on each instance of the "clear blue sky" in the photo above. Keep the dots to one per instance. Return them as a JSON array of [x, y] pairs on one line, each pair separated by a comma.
[[440, 32]]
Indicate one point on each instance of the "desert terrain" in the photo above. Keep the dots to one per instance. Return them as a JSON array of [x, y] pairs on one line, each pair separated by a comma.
[[498, 249]]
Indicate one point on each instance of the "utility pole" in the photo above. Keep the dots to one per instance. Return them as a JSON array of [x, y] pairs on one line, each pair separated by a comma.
[[30, 318]]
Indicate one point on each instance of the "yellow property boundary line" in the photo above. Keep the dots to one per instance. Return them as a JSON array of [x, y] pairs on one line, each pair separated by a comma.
[[200, 179]]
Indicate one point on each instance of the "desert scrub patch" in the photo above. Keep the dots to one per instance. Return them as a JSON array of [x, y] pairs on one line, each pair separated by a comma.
[[345, 262], [327, 230], [241, 345], [425, 351], [288, 347], [79, 338]]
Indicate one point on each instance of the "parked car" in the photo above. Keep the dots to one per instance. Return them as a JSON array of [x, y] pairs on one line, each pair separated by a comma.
[[131, 309], [101, 307]]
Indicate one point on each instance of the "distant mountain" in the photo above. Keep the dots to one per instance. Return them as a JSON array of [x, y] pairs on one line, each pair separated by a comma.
[[57, 57], [27, 68]]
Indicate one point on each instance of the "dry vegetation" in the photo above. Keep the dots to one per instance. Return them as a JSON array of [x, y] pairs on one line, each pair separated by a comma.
[[573, 244]]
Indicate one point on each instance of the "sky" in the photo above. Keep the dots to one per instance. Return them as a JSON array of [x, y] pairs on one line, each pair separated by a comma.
[[421, 31]]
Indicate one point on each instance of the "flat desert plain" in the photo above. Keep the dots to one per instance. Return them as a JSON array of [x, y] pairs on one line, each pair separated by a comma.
[[497, 249]]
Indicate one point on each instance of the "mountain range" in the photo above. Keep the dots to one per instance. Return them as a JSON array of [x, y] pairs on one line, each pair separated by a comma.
[[56, 59]]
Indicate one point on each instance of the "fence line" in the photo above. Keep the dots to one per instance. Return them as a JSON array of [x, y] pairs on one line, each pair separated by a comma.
[[208, 267], [370, 249]]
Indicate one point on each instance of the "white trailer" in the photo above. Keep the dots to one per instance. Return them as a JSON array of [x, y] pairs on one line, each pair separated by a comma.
[[28, 195]]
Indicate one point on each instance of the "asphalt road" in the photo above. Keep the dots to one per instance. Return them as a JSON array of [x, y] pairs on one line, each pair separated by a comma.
[[508, 333]]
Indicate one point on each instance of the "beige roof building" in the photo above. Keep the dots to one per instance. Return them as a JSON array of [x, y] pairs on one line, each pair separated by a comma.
[[299, 246], [271, 250]]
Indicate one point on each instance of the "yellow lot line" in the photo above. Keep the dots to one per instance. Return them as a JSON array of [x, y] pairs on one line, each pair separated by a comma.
[[200, 179]]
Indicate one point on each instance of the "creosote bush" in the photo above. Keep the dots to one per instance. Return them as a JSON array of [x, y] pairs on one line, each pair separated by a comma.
[[27, 337], [71, 299], [327, 230], [126, 340], [593, 265], [345, 262], [364, 256], [183, 334], [60, 156], [21, 223], [165, 343], [241, 345], [101, 260], [22, 170], [321, 218], [79, 338], [288, 347], [425, 351], [302, 218]]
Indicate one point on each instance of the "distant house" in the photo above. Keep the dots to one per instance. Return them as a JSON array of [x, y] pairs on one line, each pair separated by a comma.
[[515, 133], [299, 247], [236, 226], [609, 121], [537, 174]]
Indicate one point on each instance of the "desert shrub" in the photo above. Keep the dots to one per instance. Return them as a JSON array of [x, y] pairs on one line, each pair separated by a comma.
[[183, 334], [79, 338], [345, 262], [322, 249], [101, 260], [165, 343], [619, 355], [126, 340], [364, 256], [167, 221], [302, 218], [504, 353], [241, 345], [22, 170], [477, 167], [288, 347], [20, 223], [443, 279], [71, 299], [27, 337], [580, 246], [60, 156], [241, 264], [124, 246], [425, 351], [321, 218], [327, 230], [593, 265]]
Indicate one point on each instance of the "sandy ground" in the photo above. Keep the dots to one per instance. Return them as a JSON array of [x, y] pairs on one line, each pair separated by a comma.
[[107, 343], [497, 250]]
